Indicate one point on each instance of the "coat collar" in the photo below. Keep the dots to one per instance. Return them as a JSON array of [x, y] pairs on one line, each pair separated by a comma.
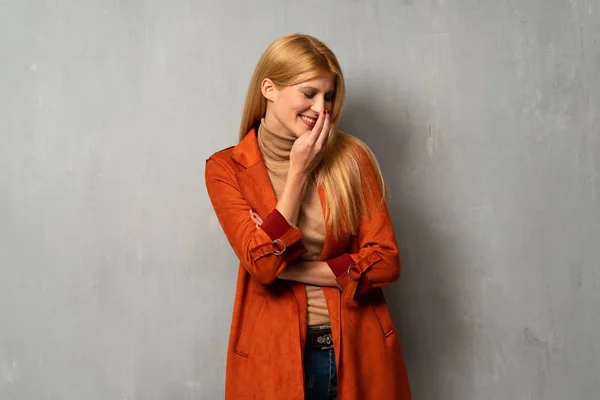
[[247, 153]]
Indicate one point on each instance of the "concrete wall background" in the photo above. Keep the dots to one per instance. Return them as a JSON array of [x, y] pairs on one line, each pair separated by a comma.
[[115, 279]]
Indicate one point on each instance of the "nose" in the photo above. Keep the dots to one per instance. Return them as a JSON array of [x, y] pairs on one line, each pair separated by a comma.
[[319, 104]]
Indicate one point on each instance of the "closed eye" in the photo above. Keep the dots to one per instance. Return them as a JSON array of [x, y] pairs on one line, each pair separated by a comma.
[[310, 96]]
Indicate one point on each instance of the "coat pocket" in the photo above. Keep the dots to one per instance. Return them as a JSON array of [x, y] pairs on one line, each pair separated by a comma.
[[382, 313], [249, 323]]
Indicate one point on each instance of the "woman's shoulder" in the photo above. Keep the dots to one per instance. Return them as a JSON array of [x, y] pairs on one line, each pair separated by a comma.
[[223, 154], [220, 163]]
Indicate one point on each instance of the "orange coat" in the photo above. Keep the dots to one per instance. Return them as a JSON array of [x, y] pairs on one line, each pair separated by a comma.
[[268, 327]]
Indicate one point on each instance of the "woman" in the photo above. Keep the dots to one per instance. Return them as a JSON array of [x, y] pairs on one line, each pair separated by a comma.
[[302, 206]]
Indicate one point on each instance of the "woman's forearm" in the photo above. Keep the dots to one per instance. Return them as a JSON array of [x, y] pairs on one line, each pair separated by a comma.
[[315, 273], [291, 197]]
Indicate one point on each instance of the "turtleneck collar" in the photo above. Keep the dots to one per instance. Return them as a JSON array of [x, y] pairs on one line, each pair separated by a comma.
[[274, 146]]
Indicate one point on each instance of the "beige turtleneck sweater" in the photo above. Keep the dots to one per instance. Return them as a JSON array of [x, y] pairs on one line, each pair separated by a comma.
[[275, 148]]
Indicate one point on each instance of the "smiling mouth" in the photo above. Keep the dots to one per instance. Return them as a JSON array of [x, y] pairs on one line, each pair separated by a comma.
[[308, 120]]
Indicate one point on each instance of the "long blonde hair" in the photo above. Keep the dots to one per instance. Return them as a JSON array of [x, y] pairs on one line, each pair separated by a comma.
[[339, 173]]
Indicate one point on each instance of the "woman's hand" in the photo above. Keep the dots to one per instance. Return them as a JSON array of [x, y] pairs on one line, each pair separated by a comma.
[[255, 218], [308, 149], [305, 155]]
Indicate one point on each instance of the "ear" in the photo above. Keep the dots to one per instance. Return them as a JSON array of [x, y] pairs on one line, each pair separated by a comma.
[[268, 89]]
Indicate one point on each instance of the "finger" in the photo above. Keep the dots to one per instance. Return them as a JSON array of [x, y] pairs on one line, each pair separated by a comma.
[[256, 218], [324, 134], [252, 215], [316, 130]]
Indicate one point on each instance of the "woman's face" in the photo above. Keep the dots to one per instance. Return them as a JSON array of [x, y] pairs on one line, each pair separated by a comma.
[[296, 108]]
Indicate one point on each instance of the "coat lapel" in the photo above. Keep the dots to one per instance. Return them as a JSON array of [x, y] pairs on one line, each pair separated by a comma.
[[257, 189], [253, 177], [332, 295], [255, 185]]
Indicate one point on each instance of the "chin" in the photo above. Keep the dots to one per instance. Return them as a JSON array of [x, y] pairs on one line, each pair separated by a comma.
[[301, 129]]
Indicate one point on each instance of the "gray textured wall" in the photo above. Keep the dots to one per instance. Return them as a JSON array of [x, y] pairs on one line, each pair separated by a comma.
[[115, 279]]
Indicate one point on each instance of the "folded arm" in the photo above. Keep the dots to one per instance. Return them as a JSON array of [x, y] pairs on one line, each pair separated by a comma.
[[375, 261], [263, 252], [315, 273]]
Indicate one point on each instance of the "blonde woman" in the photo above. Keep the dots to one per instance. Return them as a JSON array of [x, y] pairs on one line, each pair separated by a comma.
[[303, 207]]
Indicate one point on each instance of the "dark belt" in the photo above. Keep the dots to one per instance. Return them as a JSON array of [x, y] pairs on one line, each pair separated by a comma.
[[319, 337]]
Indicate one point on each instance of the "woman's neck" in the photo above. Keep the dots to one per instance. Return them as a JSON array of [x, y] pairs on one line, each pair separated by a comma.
[[275, 144]]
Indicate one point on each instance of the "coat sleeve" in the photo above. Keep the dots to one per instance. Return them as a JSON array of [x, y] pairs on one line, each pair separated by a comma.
[[376, 263], [264, 252]]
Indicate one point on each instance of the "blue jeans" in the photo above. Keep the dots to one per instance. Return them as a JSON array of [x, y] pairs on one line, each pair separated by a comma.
[[320, 374]]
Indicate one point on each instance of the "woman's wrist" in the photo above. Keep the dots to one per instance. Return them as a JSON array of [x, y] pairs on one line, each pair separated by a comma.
[[297, 176], [291, 197]]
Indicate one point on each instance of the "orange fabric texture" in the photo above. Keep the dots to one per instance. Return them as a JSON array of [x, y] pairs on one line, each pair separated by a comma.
[[268, 327]]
